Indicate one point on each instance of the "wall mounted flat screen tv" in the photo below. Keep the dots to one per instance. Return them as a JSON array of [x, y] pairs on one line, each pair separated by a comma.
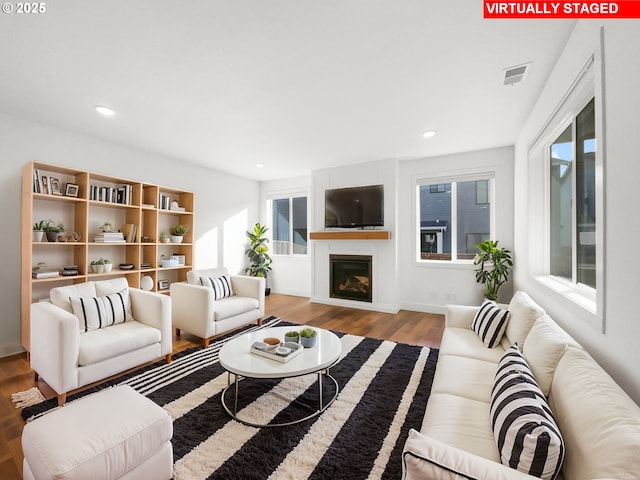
[[354, 207]]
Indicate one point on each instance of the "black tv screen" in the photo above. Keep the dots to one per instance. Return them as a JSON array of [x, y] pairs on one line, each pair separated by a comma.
[[354, 207]]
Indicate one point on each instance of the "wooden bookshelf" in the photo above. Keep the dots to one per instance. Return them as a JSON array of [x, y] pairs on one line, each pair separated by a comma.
[[99, 199]]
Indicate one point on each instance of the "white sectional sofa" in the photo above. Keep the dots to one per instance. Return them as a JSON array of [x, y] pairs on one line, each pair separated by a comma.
[[599, 423], [67, 357]]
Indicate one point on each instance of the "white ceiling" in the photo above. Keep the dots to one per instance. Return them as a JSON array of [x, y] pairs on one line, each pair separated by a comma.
[[294, 84]]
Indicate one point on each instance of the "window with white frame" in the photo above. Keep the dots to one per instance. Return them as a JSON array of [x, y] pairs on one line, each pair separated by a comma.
[[569, 150], [453, 217], [572, 200], [289, 225]]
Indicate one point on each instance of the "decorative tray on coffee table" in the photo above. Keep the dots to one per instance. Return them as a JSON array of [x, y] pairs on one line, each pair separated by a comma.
[[282, 353]]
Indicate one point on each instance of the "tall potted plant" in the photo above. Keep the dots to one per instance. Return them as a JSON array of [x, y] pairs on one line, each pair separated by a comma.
[[493, 267], [259, 259]]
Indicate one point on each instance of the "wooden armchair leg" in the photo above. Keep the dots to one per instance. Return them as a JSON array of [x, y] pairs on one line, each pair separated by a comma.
[[35, 376], [205, 342], [178, 332], [168, 357], [260, 322], [62, 399]]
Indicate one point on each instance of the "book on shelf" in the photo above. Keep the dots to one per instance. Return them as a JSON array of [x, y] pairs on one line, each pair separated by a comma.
[[45, 274], [36, 181], [163, 201], [109, 237], [121, 195], [130, 232]]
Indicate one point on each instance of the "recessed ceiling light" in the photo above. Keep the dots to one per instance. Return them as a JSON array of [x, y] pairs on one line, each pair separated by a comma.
[[106, 111], [429, 133], [260, 165]]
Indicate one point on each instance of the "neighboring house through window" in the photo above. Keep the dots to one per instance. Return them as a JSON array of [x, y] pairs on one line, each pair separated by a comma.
[[453, 217]]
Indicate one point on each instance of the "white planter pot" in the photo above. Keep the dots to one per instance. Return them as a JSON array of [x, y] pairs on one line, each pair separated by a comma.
[[37, 235], [107, 267], [97, 268], [176, 238]]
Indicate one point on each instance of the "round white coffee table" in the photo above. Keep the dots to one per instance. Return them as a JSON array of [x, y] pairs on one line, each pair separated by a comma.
[[235, 357]]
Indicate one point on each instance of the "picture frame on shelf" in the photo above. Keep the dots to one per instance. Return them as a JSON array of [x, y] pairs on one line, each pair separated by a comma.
[[54, 185], [44, 183], [71, 190], [163, 284]]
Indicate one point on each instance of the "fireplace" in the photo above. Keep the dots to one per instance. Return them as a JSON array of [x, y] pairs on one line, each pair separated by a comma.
[[350, 277]]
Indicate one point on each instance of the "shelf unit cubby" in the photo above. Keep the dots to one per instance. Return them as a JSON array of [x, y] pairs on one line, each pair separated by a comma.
[[83, 201]]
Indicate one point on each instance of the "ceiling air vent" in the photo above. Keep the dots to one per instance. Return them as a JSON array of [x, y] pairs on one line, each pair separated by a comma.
[[513, 75]]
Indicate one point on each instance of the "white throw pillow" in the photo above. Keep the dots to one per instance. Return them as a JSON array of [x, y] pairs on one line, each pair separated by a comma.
[[490, 323], [60, 296], [524, 311], [221, 286], [524, 429], [99, 312], [544, 347]]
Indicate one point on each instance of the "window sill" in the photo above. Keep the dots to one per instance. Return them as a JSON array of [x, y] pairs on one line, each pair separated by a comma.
[[449, 264], [581, 300]]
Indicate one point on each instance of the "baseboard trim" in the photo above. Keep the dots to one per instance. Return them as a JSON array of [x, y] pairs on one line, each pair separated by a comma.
[[358, 305], [424, 308], [11, 349]]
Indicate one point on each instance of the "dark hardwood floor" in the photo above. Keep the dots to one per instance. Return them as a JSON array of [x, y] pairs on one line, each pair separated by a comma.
[[405, 326]]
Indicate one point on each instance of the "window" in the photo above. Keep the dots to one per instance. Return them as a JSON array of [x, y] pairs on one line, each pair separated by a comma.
[[289, 220], [566, 159], [572, 200], [453, 218]]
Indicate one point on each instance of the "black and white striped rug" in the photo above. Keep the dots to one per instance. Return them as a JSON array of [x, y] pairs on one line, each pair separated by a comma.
[[384, 388]]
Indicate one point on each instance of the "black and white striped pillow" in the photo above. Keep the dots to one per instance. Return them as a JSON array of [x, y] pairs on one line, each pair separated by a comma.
[[525, 431], [221, 286], [99, 312], [490, 323]]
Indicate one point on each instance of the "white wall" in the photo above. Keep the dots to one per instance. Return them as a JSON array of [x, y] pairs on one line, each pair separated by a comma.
[[225, 205], [616, 350], [290, 274], [429, 286]]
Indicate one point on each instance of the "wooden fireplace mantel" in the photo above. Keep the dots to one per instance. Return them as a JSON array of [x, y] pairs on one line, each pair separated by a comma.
[[351, 235]]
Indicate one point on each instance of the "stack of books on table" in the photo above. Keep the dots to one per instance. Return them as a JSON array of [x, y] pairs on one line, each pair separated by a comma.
[[44, 272], [109, 237]]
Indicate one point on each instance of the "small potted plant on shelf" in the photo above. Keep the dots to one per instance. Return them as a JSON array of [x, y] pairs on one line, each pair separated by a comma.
[[292, 336], [107, 265], [308, 337], [496, 271], [260, 261], [52, 230], [97, 266], [106, 227], [37, 234], [165, 237], [178, 232]]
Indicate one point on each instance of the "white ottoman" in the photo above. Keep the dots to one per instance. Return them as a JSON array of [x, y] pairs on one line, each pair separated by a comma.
[[114, 433]]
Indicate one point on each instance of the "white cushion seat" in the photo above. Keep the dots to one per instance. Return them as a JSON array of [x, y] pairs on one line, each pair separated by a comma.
[[462, 423], [463, 342], [232, 306], [114, 433], [474, 378], [105, 343]]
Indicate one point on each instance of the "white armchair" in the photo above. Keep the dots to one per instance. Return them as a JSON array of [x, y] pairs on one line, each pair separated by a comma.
[[67, 357], [196, 310]]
